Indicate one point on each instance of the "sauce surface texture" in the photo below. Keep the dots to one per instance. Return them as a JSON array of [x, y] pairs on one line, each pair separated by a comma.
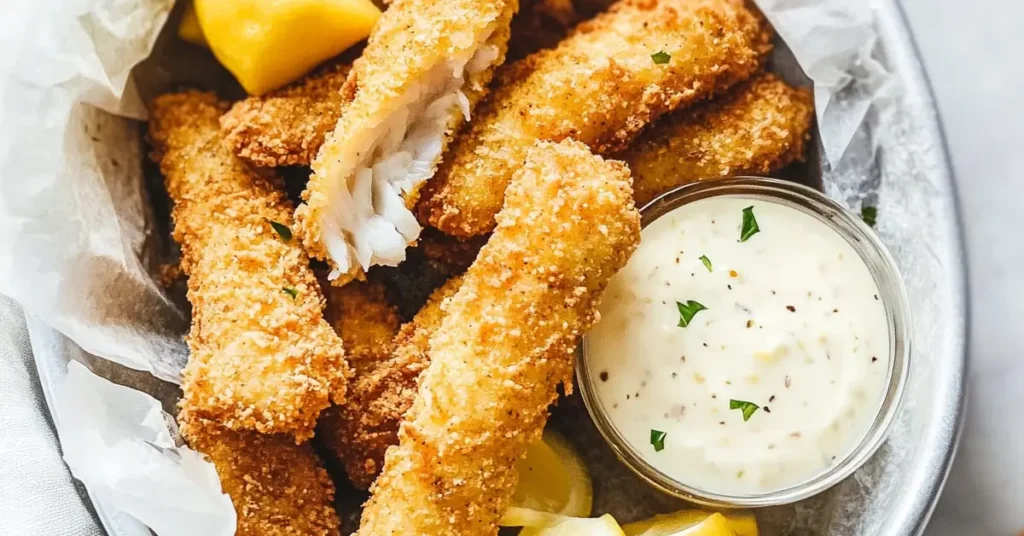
[[741, 366]]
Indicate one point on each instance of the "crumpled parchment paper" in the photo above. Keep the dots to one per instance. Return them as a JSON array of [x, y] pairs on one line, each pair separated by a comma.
[[77, 248]]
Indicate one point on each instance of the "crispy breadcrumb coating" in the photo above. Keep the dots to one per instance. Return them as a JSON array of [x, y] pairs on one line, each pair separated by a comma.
[[600, 86], [506, 342], [359, 432], [759, 128], [364, 319], [413, 42], [278, 488], [286, 127], [262, 356]]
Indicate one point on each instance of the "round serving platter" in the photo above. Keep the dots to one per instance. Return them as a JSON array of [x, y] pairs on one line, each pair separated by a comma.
[[908, 177]]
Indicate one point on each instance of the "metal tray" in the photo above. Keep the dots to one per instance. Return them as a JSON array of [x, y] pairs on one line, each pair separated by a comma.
[[898, 489]]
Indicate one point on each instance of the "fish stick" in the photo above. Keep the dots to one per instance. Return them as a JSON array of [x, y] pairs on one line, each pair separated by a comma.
[[278, 488], [426, 65], [759, 128], [262, 356], [604, 83], [359, 432], [506, 342], [365, 320], [286, 127]]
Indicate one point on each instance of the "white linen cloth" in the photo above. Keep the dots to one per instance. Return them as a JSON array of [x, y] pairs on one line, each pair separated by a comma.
[[38, 496]]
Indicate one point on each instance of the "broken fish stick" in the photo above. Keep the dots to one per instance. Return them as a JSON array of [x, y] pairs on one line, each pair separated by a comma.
[[505, 344], [610, 78], [359, 432], [286, 127], [426, 65], [760, 127], [278, 488], [262, 356]]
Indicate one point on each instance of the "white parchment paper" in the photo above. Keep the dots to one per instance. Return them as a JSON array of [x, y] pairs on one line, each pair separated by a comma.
[[77, 250]]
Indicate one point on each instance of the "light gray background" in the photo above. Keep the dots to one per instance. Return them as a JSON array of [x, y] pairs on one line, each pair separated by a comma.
[[972, 52]]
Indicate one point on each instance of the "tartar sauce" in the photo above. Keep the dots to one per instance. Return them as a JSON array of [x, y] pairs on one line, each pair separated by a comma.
[[743, 349]]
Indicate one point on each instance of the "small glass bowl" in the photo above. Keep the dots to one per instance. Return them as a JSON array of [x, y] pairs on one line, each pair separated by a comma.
[[894, 297]]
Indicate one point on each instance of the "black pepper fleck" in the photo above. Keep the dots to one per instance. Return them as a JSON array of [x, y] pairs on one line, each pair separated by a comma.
[[876, 296], [674, 374], [873, 359], [604, 375], [730, 287], [721, 422], [766, 409], [771, 398], [705, 344], [791, 309]]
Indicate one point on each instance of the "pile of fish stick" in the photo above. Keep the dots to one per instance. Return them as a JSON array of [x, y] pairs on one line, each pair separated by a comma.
[[509, 144]]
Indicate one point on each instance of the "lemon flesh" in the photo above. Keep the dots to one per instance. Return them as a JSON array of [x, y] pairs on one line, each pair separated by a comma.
[[695, 523], [269, 43], [553, 478]]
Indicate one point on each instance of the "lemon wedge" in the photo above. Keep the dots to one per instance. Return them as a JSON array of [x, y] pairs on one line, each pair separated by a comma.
[[189, 29], [537, 523], [269, 43], [553, 478], [695, 523]]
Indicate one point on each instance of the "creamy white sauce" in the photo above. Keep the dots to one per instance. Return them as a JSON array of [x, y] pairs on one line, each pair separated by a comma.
[[793, 324]]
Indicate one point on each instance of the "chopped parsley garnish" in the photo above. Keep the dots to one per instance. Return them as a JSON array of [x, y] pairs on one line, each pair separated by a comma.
[[707, 262], [282, 230], [291, 292], [661, 57], [750, 227], [658, 440], [869, 215], [748, 408], [687, 311]]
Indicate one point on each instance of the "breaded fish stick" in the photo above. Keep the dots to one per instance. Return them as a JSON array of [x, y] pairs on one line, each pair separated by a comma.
[[424, 68], [758, 128], [278, 488], [365, 320], [287, 127], [505, 343], [359, 432], [262, 356], [614, 75]]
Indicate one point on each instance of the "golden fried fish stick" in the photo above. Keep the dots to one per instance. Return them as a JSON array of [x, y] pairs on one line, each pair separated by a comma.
[[278, 488], [424, 68], [615, 74], [505, 343], [758, 128], [286, 127], [359, 432], [262, 356], [365, 320]]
